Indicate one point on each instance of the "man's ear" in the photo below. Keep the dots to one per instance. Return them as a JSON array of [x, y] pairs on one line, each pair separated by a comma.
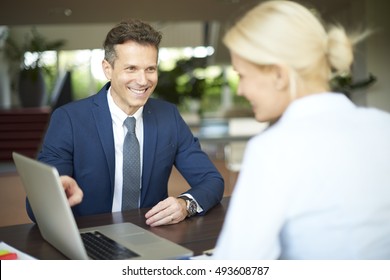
[[281, 77], [107, 69]]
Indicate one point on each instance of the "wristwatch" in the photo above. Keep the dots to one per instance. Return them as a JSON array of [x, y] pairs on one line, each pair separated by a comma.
[[191, 206]]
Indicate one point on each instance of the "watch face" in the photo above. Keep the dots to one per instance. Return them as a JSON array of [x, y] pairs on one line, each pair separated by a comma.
[[191, 208]]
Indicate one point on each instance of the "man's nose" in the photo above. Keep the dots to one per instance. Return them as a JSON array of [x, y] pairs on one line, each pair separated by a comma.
[[141, 78]]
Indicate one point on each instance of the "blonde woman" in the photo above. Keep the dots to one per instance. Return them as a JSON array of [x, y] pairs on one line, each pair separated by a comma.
[[316, 183]]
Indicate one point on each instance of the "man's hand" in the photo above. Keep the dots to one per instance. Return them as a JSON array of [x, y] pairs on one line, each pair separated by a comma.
[[72, 190], [169, 211]]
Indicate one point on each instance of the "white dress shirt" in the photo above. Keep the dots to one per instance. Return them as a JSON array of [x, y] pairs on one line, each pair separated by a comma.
[[119, 130], [316, 185]]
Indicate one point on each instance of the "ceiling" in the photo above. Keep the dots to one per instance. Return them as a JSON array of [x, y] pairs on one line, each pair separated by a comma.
[[92, 11], [80, 22], [37, 12]]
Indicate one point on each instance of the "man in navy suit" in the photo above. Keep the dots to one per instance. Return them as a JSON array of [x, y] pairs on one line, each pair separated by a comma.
[[84, 140]]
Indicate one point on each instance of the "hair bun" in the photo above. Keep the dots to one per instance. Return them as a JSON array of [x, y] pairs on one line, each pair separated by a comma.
[[340, 49]]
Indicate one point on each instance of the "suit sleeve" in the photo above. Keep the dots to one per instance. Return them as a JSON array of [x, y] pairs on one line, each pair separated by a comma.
[[56, 149], [207, 184]]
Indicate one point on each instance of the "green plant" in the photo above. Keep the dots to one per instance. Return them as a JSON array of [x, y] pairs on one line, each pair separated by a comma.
[[345, 83], [35, 43], [31, 78], [181, 82]]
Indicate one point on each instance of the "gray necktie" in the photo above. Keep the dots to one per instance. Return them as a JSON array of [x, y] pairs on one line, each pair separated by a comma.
[[131, 167]]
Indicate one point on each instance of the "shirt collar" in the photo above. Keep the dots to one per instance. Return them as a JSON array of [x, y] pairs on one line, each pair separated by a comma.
[[117, 115]]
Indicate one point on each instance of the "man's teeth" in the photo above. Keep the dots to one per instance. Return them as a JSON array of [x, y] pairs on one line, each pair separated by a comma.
[[137, 90]]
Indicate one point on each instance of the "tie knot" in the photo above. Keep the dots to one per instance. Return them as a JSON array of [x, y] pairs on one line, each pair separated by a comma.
[[130, 124]]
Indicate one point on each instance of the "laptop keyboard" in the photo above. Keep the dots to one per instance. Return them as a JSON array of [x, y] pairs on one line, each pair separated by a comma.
[[101, 247]]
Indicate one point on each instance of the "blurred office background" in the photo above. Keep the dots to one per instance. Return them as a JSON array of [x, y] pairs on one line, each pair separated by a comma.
[[195, 70]]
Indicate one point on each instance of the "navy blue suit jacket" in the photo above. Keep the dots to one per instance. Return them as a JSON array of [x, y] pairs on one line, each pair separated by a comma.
[[79, 142]]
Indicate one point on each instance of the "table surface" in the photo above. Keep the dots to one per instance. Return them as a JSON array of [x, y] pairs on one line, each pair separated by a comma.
[[198, 233]]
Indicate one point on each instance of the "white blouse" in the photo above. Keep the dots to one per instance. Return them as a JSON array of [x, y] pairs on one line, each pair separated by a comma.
[[315, 185]]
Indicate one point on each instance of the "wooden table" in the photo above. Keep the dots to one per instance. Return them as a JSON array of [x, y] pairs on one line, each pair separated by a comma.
[[198, 233]]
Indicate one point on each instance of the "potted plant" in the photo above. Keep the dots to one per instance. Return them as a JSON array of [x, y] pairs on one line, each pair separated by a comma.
[[181, 85], [30, 83], [346, 85]]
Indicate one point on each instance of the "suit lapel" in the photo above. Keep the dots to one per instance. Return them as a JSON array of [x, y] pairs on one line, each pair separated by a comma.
[[103, 125], [149, 150]]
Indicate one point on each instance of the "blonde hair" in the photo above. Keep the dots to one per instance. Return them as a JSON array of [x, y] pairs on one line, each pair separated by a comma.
[[287, 33]]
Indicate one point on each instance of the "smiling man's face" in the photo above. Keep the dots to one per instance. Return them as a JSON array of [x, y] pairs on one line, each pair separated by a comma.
[[133, 76]]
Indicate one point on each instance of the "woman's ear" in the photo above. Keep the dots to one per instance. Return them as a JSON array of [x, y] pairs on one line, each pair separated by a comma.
[[281, 78], [107, 69]]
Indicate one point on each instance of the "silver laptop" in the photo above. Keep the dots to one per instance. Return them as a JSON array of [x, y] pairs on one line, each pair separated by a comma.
[[58, 226]]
